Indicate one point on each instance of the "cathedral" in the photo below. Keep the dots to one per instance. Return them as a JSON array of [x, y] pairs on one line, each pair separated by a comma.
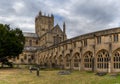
[[46, 35], [97, 51]]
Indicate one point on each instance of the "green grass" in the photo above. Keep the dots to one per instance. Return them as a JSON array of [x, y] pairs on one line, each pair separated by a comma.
[[23, 76]]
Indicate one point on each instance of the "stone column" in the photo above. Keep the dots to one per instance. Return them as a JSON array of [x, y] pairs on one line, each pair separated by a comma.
[[110, 56], [71, 59], [94, 64], [81, 65], [109, 60], [63, 60], [94, 54]]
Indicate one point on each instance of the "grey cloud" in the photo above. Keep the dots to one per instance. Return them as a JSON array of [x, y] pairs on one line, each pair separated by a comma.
[[81, 16], [92, 15], [16, 19], [5, 8], [97, 10]]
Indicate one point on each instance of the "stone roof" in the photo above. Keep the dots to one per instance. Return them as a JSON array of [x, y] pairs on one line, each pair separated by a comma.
[[32, 48], [30, 34]]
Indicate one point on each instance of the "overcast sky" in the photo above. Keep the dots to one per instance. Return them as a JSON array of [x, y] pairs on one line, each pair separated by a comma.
[[81, 16]]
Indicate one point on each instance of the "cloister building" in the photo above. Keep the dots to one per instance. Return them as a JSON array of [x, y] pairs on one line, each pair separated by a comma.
[[97, 51]]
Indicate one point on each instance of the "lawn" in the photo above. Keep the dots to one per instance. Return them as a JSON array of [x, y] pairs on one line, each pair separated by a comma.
[[23, 76]]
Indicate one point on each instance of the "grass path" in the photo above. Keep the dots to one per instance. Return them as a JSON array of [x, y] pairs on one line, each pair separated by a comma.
[[23, 76]]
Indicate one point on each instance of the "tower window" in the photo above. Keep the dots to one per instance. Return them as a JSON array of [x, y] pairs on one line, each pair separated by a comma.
[[57, 39]]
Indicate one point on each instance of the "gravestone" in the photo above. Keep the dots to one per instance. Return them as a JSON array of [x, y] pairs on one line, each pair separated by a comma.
[[64, 72], [114, 74], [101, 73]]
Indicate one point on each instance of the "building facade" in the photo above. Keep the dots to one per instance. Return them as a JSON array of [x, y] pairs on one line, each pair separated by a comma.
[[98, 51]]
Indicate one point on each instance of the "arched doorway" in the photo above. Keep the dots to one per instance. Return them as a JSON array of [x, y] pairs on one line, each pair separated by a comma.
[[102, 60]]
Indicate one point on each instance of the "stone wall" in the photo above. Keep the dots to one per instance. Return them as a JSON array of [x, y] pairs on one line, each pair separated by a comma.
[[93, 51]]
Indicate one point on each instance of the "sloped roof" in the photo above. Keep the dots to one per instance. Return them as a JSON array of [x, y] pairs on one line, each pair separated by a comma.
[[51, 31], [58, 28], [26, 34]]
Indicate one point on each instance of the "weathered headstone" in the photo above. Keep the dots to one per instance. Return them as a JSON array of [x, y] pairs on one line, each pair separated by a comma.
[[101, 73], [64, 72], [113, 74]]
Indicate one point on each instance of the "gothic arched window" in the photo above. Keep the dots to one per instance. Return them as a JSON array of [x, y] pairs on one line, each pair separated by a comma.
[[88, 59]]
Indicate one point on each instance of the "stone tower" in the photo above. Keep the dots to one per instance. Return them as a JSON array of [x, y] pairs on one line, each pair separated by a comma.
[[43, 23]]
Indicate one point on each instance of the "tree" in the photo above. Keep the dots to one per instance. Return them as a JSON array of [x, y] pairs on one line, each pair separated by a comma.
[[11, 43]]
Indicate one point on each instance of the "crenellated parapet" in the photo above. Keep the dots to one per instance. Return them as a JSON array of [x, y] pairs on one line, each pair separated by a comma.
[[43, 23]]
